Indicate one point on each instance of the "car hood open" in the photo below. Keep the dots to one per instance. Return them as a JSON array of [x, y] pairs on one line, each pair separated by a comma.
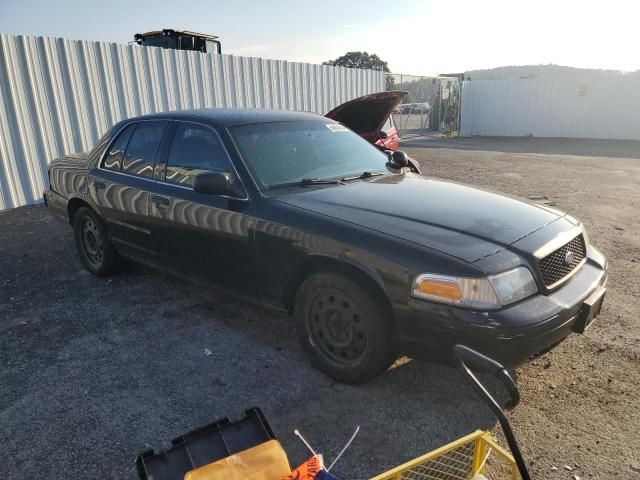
[[366, 115], [462, 221]]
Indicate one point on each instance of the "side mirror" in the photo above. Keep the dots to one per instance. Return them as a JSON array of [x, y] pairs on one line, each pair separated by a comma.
[[383, 134], [218, 183], [399, 159]]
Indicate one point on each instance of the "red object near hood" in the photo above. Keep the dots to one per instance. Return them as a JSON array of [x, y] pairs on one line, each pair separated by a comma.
[[366, 115]]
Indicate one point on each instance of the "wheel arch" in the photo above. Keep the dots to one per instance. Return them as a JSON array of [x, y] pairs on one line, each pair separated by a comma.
[[74, 205], [357, 272]]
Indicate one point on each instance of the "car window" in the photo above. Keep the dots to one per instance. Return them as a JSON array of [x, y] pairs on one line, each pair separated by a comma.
[[282, 152], [141, 151], [113, 159], [211, 47], [387, 125], [195, 149]]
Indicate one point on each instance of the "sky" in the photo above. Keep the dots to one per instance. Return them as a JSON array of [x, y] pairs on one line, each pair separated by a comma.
[[414, 37]]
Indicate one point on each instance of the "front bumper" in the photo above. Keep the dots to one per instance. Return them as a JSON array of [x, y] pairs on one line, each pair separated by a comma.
[[511, 335]]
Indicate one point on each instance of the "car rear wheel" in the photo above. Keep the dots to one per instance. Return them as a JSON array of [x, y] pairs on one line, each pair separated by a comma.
[[343, 330], [92, 240]]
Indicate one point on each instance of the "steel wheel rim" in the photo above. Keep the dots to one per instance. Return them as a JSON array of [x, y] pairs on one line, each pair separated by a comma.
[[91, 242], [337, 328]]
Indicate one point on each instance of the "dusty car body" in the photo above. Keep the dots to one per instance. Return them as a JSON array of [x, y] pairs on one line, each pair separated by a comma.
[[374, 263]]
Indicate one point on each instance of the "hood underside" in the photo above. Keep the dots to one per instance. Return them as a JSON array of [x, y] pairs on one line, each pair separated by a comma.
[[366, 115]]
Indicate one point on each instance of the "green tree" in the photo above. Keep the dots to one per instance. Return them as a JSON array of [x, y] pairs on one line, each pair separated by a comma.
[[360, 60], [364, 60], [390, 82]]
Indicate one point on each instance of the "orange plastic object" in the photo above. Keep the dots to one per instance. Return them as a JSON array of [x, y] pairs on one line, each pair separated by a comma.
[[267, 461], [307, 471]]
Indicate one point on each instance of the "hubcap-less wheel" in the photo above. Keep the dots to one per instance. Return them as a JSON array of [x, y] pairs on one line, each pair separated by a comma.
[[95, 249], [336, 328], [91, 243]]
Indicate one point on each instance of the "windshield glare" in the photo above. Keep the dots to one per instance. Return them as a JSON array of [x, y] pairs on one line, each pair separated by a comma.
[[285, 152]]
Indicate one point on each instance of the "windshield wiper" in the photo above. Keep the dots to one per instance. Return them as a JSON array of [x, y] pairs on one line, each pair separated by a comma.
[[366, 174], [308, 181]]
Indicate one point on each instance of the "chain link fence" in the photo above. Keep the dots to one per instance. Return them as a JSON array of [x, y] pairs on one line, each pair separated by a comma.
[[431, 106]]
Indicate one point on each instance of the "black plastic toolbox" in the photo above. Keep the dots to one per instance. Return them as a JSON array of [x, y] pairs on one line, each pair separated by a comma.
[[205, 445]]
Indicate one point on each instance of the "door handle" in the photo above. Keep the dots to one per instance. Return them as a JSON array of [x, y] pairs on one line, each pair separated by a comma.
[[99, 186], [161, 203]]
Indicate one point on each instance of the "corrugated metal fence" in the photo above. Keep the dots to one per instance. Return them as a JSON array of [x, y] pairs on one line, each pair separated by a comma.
[[607, 108], [58, 96]]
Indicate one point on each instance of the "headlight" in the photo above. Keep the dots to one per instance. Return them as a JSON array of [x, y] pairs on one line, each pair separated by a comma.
[[514, 285], [467, 292], [478, 293]]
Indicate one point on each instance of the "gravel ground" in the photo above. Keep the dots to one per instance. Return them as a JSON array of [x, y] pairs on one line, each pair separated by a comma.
[[93, 371]]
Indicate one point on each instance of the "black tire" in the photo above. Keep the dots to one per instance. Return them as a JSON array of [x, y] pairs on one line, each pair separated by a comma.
[[343, 330], [96, 251]]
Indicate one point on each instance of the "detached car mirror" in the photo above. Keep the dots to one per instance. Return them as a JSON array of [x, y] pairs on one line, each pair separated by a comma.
[[399, 159], [218, 183]]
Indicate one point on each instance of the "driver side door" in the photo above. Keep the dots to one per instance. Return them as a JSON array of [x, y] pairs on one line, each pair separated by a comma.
[[200, 235]]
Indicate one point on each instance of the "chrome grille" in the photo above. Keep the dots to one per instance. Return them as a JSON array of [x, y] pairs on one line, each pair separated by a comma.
[[555, 267]]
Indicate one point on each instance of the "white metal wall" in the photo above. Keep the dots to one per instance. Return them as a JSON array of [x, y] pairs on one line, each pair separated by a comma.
[[608, 108], [58, 96]]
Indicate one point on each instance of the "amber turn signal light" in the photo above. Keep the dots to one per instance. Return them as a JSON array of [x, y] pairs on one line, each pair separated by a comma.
[[440, 288]]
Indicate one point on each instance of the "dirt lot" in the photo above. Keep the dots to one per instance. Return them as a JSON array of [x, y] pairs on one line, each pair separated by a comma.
[[95, 370]]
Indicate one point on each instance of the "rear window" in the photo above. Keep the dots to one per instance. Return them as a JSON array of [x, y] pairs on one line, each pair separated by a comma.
[[140, 154], [164, 41], [113, 159]]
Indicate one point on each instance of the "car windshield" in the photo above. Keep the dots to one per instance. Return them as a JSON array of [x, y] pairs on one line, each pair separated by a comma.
[[282, 153]]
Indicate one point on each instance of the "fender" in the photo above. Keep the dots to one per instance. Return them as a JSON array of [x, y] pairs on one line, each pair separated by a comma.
[[316, 260], [364, 268]]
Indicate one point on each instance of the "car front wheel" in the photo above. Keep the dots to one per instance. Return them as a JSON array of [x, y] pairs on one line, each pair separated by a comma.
[[342, 328], [92, 240]]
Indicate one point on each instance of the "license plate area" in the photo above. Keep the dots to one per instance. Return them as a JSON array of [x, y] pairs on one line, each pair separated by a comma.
[[589, 311]]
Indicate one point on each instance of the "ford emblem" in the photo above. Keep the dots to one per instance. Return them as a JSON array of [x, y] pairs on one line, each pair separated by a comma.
[[569, 258]]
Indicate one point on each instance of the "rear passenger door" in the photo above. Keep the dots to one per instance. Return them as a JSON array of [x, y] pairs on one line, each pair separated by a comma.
[[121, 183], [206, 236]]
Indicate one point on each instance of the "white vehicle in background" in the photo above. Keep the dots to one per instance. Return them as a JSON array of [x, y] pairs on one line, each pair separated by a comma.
[[414, 107]]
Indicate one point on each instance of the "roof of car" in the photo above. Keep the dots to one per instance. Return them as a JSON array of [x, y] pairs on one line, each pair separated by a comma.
[[177, 30], [231, 117]]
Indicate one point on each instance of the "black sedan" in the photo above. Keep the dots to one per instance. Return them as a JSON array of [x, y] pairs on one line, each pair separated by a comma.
[[373, 259]]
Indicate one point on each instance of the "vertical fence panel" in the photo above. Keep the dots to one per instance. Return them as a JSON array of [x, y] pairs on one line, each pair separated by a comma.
[[606, 108], [58, 96]]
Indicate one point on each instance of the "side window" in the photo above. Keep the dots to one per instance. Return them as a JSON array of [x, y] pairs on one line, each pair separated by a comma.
[[141, 151], [195, 149], [113, 159]]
